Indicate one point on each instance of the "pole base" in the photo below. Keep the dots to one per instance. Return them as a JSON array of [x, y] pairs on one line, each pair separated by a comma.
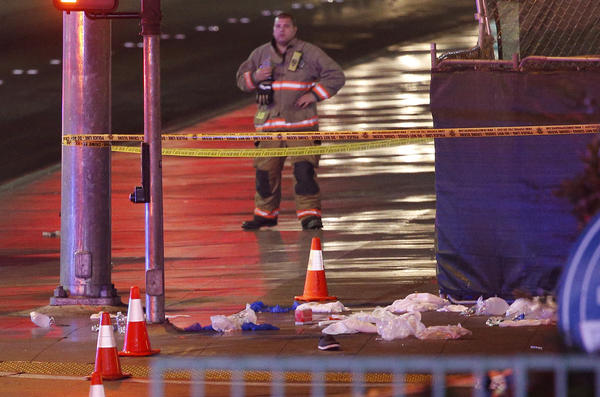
[[85, 300]]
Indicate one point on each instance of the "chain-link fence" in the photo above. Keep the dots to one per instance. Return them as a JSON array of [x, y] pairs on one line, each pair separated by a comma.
[[548, 28], [536, 33]]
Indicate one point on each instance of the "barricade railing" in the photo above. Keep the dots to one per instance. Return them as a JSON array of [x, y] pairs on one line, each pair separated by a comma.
[[397, 366]]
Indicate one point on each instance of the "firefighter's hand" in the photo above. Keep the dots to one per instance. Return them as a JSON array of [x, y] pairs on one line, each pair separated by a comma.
[[305, 100], [263, 73], [264, 93]]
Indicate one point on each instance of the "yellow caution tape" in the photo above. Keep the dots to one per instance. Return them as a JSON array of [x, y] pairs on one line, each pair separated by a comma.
[[272, 152], [346, 135], [384, 138]]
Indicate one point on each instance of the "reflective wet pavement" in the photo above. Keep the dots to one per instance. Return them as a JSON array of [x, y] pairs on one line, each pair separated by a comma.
[[378, 239]]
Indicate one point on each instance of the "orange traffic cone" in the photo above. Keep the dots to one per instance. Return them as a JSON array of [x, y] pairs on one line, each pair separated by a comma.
[[97, 388], [136, 335], [107, 359], [315, 286]]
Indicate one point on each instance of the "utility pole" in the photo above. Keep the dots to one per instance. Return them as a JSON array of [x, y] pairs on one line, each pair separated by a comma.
[[155, 288], [85, 248], [85, 207]]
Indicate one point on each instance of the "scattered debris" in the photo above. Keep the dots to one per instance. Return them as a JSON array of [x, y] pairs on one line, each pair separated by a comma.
[[526, 322], [494, 321], [41, 320], [303, 316], [527, 312], [443, 332], [453, 308], [493, 306], [120, 324], [533, 309], [316, 307], [233, 322], [391, 326], [400, 327], [259, 306], [418, 302], [350, 325]]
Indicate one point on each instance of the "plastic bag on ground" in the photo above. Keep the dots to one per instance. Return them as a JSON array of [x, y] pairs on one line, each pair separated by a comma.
[[377, 315], [233, 322], [418, 302], [316, 307], [443, 332], [351, 325], [41, 320], [453, 309], [532, 309], [493, 306], [401, 326]]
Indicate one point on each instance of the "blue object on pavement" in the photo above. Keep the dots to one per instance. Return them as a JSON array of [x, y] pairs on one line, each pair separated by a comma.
[[245, 327], [259, 306], [258, 327], [198, 328]]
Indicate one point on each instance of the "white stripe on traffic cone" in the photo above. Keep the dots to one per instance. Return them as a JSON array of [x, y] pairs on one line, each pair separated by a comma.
[[97, 388]]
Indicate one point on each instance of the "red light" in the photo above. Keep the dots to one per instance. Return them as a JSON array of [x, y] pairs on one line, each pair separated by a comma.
[[98, 6]]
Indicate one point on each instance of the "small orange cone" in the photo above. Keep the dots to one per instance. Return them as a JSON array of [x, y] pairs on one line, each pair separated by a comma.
[[107, 359], [136, 335], [315, 286], [97, 388]]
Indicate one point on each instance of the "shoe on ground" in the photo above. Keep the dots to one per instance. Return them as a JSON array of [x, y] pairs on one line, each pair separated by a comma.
[[311, 222], [258, 222], [328, 342]]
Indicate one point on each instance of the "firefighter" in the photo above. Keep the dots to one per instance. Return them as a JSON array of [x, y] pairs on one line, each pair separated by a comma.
[[289, 77]]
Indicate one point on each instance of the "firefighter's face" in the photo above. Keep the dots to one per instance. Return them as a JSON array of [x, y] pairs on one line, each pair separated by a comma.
[[284, 30]]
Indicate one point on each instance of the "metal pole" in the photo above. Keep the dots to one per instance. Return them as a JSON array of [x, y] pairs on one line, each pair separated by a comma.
[[155, 290], [85, 249]]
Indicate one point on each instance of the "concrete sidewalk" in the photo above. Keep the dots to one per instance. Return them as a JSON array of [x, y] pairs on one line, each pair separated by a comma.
[[378, 246]]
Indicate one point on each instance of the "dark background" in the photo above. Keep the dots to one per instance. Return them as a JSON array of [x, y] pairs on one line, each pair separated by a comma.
[[197, 73]]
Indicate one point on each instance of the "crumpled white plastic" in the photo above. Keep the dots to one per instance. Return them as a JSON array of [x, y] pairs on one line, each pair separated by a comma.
[[401, 326], [316, 307], [418, 302], [525, 323], [453, 308], [369, 317], [233, 322], [443, 332], [374, 316], [392, 326], [41, 320], [532, 309], [493, 306], [351, 325]]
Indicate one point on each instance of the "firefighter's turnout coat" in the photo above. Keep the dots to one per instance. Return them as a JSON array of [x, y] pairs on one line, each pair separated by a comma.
[[303, 68]]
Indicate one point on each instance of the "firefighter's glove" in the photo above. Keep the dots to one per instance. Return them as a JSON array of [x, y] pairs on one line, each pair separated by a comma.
[[264, 92]]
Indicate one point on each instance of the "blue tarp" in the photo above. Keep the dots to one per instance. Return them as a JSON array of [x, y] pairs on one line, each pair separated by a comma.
[[500, 227]]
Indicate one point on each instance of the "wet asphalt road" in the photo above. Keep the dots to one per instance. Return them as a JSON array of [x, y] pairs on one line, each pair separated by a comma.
[[203, 44]]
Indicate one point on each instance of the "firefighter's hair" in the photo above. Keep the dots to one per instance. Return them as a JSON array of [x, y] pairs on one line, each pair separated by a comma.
[[285, 15]]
